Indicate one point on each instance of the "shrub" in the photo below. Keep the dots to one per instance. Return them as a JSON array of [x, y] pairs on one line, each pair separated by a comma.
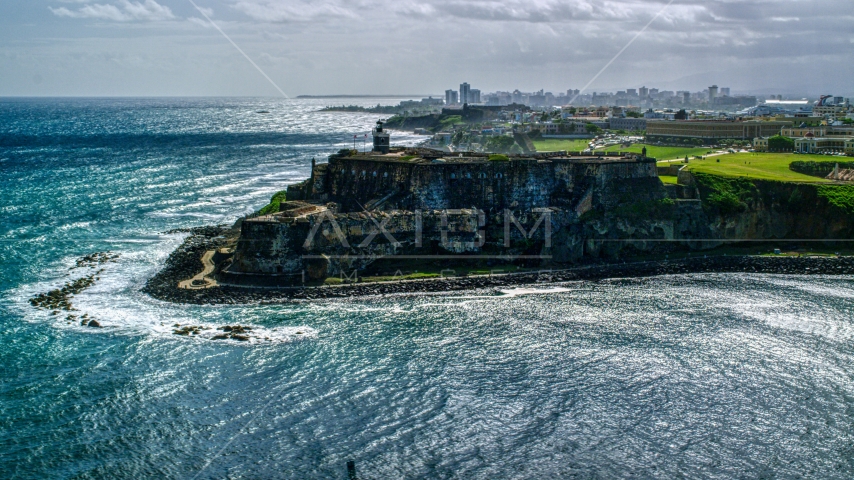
[[275, 203], [726, 202], [450, 121], [499, 158], [727, 195], [840, 196], [817, 169]]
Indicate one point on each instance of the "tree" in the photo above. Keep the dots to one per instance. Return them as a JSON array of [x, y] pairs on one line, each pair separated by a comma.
[[779, 143], [633, 114], [592, 128], [500, 144], [681, 115], [566, 128]]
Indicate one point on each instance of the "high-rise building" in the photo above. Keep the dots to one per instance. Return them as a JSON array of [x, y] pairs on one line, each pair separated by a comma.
[[451, 97], [686, 98], [550, 99], [713, 92], [643, 92], [465, 90], [725, 91], [516, 97], [474, 96], [632, 92]]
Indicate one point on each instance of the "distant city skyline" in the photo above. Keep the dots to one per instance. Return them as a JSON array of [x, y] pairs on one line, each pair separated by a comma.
[[169, 48]]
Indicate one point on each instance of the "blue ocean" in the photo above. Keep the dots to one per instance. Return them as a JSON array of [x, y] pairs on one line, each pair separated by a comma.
[[694, 376]]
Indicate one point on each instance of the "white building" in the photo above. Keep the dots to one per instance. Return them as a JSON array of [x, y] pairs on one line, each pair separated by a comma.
[[812, 144], [451, 97]]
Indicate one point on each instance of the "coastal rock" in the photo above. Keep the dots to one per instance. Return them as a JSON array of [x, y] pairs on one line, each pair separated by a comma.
[[317, 268]]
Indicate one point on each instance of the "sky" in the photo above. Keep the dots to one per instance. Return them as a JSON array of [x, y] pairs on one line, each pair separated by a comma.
[[324, 47]]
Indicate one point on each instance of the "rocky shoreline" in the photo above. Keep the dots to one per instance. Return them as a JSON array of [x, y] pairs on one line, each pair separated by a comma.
[[60, 299], [185, 262]]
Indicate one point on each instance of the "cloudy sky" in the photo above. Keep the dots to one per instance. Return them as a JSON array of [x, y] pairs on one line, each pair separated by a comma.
[[167, 47]]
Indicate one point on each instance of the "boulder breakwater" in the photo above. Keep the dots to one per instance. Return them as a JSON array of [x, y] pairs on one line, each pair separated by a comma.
[[185, 262]]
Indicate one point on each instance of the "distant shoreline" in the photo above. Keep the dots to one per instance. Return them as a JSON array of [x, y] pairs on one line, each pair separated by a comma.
[[186, 261], [365, 96]]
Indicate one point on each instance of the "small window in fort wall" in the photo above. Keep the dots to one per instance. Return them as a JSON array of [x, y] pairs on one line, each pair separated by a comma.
[[453, 176], [468, 175], [375, 174], [353, 172], [499, 175], [385, 175]]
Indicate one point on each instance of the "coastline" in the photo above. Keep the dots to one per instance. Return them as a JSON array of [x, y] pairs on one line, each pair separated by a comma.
[[186, 262]]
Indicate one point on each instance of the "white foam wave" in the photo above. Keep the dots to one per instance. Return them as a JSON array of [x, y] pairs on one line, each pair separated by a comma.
[[117, 304], [517, 292]]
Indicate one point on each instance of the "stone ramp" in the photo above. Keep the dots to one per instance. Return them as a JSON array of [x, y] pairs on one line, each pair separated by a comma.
[[843, 175], [200, 281]]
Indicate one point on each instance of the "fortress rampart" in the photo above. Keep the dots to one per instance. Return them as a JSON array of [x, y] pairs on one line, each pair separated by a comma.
[[358, 208], [354, 182]]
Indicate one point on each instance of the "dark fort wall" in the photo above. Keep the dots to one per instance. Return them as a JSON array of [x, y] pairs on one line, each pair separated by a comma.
[[354, 183]]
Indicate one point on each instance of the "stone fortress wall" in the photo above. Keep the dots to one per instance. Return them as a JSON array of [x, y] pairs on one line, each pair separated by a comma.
[[358, 208], [353, 182]]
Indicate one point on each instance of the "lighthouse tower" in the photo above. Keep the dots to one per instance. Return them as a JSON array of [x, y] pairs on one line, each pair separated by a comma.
[[381, 139]]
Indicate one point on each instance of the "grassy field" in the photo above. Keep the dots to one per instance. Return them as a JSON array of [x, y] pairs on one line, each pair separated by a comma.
[[662, 153], [668, 179], [557, 145], [764, 166]]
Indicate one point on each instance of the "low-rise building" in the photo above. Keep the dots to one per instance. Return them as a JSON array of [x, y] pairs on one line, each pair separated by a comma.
[[760, 144], [813, 144], [821, 131], [835, 111], [715, 129], [628, 124]]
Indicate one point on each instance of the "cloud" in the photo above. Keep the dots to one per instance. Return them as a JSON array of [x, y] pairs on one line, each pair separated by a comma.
[[429, 45], [527, 11], [199, 21], [126, 11], [301, 11]]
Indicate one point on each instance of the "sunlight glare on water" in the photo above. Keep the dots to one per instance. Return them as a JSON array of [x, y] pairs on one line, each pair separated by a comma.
[[699, 376]]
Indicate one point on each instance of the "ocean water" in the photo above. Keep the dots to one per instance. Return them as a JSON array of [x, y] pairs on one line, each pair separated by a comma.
[[698, 376]]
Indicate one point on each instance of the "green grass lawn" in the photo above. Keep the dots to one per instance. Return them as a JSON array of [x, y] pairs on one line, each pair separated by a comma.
[[668, 179], [661, 153], [557, 145], [764, 166]]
